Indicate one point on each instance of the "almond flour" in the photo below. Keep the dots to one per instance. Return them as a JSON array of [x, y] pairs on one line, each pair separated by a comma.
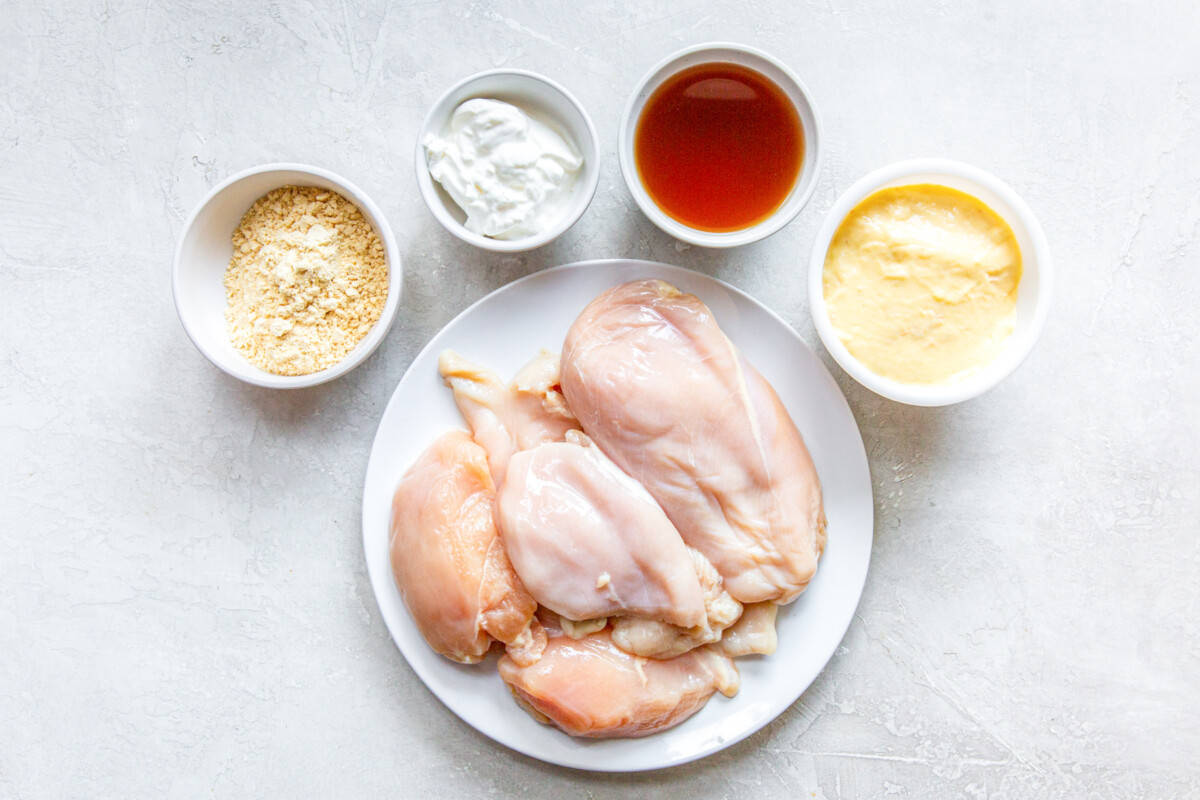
[[307, 280]]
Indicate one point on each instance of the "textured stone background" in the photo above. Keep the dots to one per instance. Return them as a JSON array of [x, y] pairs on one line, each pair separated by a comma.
[[184, 609]]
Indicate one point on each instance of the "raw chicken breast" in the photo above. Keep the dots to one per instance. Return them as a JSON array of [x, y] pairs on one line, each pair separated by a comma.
[[447, 558], [589, 687], [654, 639], [659, 387], [754, 633], [529, 645], [588, 541], [507, 418]]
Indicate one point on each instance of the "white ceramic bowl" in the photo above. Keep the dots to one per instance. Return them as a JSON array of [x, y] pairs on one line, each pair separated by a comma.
[[1033, 292], [206, 246], [542, 99], [779, 74]]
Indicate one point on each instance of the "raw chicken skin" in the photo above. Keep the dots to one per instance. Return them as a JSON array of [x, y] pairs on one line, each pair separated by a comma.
[[661, 389], [589, 687], [447, 557], [753, 634], [588, 541], [507, 418]]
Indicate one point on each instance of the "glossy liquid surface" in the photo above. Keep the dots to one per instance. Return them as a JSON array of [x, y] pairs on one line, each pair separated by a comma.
[[718, 147]]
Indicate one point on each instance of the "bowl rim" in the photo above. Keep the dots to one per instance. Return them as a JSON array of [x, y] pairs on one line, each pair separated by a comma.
[[590, 150], [725, 239], [364, 348], [1021, 341]]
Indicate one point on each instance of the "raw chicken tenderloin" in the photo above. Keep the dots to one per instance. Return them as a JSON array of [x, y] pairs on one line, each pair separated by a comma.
[[589, 687], [661, 389], [588, 541], [447, 557], [507, 418]]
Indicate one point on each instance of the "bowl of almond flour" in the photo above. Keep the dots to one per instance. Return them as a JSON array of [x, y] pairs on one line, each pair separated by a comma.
[[286, 276]]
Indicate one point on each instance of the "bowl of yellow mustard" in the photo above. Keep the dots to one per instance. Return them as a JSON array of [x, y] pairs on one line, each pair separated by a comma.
[[930, 281]]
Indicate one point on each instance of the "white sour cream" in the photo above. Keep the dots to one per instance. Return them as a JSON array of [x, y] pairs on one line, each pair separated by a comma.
[[510, 173]]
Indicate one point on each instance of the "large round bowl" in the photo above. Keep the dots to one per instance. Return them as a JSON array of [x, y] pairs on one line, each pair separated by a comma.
[[1033, 292], [206, 246], [502, 331]]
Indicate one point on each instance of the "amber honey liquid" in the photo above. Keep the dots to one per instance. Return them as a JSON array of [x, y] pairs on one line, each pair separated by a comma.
[[718, 147]]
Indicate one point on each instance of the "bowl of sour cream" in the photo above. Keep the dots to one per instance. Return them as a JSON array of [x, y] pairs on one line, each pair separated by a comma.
[[507, 160]]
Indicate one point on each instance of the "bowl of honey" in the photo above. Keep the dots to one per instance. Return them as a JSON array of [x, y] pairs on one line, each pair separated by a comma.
[[719, 145]]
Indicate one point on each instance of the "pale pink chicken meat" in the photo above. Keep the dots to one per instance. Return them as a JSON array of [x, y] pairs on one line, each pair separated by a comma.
[[447, 558], [655, 639], [753, 634], [659, 387], [590, 688], [506, 418], [588, 541]]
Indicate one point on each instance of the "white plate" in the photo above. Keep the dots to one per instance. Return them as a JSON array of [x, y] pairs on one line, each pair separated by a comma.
[[505, 329]]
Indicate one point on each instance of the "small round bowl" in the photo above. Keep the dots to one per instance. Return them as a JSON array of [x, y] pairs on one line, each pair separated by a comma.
[[206, 246], [775, 71], [541, 98], [1033, 292]]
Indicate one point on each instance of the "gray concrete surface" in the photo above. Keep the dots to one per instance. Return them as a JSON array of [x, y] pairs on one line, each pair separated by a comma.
[[184, 610]]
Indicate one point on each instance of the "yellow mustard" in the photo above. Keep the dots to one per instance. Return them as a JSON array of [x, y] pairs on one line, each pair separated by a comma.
[[921, 283]]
